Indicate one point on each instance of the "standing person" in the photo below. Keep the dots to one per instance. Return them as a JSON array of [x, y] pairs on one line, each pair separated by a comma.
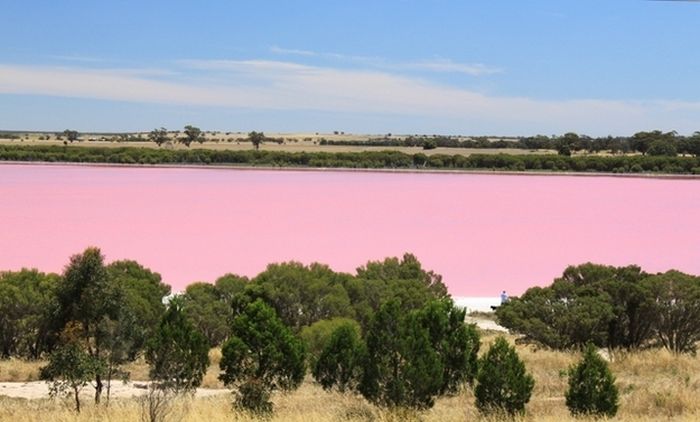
[[504, 297]]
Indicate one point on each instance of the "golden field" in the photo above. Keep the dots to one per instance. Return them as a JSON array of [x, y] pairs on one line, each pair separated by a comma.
[[293, 142], [654, 385]]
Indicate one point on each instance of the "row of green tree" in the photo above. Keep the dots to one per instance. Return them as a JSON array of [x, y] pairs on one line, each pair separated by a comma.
[[652, 143], [390, 333], [366, 159], [610, 307]]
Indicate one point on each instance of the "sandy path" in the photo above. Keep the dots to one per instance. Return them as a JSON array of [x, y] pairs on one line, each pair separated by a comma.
[[40, 390]]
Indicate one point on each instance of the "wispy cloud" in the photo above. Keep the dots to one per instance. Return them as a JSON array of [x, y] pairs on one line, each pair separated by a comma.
[[440, 65], [292, 51], [279, 85]]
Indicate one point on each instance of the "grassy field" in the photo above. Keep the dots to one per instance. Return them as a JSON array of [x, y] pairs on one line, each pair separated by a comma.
[[654, 385], [292, 143]]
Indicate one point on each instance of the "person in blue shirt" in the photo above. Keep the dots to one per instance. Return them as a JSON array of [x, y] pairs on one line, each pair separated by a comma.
[[504, 297]]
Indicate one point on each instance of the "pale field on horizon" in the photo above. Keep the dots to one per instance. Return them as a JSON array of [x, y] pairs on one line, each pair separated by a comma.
[[293, 142], [654, 385]]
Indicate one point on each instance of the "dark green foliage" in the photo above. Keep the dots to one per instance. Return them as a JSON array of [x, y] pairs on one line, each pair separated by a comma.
[[401, 367], [192, 134], [178, 354], [589, 303], [503, 385], [317, 335], [302, 295], [365, 159], [675, 299], [26, 299], [662, 148], [262, 354], [208, 311], [256, 138], [393, 279], [71, 135], [159, 136], [456, 343], [142, 293], [86, 298], [339, 365], [429, 144], [592, 389]]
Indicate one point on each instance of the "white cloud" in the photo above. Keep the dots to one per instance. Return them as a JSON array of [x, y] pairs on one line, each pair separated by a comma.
[[278, 85], [434, 65]]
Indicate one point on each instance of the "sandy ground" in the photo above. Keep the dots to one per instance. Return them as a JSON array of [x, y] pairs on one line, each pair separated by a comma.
[[484, 324], [40, 390]]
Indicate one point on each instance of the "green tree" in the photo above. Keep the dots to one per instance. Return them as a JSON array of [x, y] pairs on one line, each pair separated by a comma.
[[26, 298], [302, 295], [662, 147], [256, 138], [142, 291], [675, 298], [601, 304], [261, 356], [317, 335], [402, 279], [401, 368], [208, 311], [192, 134], [456, 343], [592, 389], [339, 364], [85, 297], [429, 144], [71, 135], [503, 385], [178, 354], [159, 136], [69, 370]]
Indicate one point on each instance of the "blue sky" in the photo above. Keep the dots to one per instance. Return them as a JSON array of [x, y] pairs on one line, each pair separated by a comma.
[[507, 67]]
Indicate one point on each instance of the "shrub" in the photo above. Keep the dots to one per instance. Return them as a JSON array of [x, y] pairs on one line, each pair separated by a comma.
[[261, 356], [339, 365], [456, 343], [592, 389], [178, 354], [503, 385], [317, 335], [401, 368]]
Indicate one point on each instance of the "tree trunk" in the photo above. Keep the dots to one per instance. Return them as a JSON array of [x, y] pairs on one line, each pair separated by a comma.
[[76, 392], [98, 388]]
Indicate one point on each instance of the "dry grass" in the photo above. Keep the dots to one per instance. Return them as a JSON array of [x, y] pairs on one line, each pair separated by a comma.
[[654, 385], [299, 145], [15, 370]]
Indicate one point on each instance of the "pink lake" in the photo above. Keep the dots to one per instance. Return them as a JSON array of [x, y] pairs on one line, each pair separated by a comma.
[[483, 233]]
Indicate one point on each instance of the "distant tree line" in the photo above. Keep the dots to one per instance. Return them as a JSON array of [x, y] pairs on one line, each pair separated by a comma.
[[613, 307], [366, 159], [656, 143]]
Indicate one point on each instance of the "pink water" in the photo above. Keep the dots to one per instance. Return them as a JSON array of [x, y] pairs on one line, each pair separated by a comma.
[[483, 233]]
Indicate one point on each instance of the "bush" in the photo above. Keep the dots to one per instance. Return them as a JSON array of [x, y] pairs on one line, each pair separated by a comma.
[[339, 365], [456, 343], [592, 389], [317, 335], [261, 356], [503, 385], [401, 368], [178, 354]]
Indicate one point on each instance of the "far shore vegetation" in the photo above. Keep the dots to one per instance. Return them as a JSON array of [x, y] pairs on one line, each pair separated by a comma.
[[304, 342], [653, 152]]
